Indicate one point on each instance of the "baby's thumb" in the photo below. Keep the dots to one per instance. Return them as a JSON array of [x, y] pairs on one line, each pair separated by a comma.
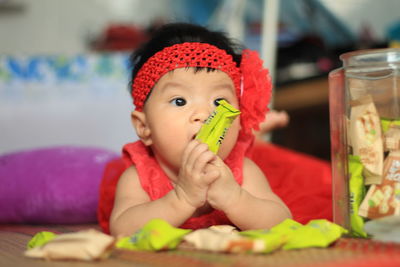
[[217, 161], [211, 175]]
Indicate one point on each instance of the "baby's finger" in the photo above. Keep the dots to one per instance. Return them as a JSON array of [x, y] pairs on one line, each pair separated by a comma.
[[188, 150], [194, 155], [202, 160], [211, 175], [217, 162]]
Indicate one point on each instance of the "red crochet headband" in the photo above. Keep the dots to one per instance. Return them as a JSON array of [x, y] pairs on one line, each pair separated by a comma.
[[181, 56], [251, 80]]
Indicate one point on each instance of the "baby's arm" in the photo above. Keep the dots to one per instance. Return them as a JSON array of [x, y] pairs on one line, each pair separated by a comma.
[[254, 205], [133, 208]]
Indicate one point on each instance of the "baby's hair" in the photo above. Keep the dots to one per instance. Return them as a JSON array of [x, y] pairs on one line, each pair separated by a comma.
[[176, 33]]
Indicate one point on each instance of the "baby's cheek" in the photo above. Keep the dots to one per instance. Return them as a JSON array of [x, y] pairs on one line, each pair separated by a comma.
[[230, 140]]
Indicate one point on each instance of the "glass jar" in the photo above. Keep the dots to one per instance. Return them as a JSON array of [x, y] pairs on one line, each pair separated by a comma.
[[368, 80]]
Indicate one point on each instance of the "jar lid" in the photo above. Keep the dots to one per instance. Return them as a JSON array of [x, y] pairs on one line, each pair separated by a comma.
[[371, 57]]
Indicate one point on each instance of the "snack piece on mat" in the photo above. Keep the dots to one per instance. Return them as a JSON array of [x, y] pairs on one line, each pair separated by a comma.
[[212, 239], [316, 233], [215, 127], [267, 241], [83, 245], [155, 235]]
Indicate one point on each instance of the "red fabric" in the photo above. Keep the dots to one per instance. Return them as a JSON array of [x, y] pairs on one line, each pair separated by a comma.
[[112, 172], [303, 183], [156, 183]]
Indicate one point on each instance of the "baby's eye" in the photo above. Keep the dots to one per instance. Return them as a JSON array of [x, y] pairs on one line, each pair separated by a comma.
[[178, 101], [217, 100]]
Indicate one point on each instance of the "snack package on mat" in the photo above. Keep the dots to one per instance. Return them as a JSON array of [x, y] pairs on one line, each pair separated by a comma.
[[159, 235], [316, 233], [83, 245], [217, 124], [156, 235]]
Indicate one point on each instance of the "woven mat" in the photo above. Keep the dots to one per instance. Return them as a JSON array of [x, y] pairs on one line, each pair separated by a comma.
[[345, 252]]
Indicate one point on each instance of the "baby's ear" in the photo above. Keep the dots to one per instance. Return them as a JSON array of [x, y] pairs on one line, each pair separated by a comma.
[[139, 122]]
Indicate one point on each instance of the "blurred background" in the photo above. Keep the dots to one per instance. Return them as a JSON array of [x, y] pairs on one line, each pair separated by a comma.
[[64, 72]]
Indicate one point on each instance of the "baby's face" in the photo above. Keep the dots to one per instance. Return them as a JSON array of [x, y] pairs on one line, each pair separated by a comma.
[[179, 104]]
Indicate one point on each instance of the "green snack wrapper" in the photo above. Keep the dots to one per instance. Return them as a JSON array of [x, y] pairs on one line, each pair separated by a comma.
[[215, 127], [287, 227], [271, 240], [357, 194], [156, 235], [40, 239], [317, 233], [387, 123]]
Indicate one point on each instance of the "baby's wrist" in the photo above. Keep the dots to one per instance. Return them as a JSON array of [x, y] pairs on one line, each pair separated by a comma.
[[234, 200], [180, 202]]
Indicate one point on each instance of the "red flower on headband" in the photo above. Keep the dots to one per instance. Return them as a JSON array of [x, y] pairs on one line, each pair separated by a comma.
[[256, 91]]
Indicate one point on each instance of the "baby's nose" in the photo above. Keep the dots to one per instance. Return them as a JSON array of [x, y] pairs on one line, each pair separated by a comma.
[[200, 114]]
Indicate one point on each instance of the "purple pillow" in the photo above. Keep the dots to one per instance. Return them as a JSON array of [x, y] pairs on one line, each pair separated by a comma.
[[57, 185]]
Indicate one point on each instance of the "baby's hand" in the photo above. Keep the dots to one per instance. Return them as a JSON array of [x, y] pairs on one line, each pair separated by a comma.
[[224, 191], [194, 179]]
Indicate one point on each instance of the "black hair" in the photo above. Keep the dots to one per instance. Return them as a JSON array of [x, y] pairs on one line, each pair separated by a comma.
[[176, 33]]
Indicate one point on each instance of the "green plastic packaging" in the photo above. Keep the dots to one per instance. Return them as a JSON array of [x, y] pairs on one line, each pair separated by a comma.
[[272, 240], [40, 239], [317, 233], [287, 227], [357, 194], [215, 127], [387, 123], [156, 235]]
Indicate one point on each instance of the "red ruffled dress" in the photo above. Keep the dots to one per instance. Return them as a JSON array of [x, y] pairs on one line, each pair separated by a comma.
[[303, 182], [156, 183]]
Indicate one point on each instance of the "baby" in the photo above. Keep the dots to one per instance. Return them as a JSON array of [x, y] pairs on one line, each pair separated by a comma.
[[178, 78]]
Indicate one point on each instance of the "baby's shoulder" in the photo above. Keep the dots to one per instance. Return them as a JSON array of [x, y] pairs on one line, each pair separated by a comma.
[[249, 165], [254, 180], [129, 185], [131, 170], [251, 171], [129, 176]]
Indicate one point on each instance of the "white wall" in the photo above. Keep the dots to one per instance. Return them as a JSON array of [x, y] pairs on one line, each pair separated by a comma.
[[62, 26]]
